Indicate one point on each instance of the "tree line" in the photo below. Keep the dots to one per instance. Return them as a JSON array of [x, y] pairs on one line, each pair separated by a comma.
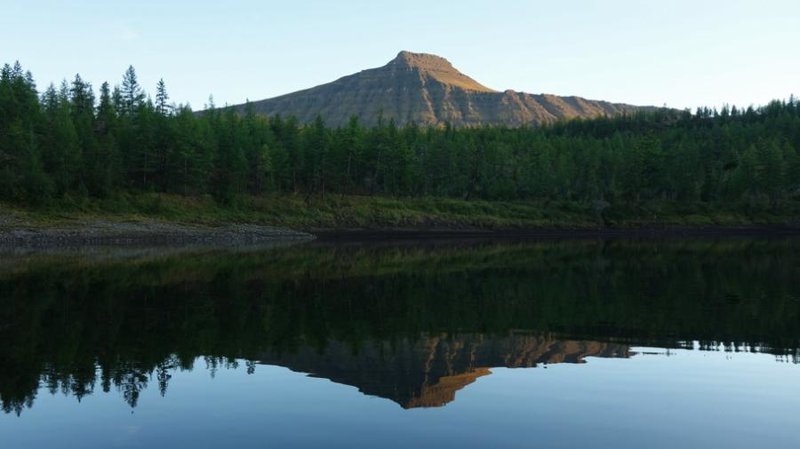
[[70, 141]]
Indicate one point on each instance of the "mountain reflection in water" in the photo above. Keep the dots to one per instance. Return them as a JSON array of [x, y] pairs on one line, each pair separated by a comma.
[[413, 323], [427, 371]]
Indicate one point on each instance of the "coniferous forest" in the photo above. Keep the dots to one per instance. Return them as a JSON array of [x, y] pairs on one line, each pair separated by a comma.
[[75, 141]]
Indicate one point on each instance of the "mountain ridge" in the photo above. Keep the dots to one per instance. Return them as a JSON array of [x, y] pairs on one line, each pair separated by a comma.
[[428, 90]]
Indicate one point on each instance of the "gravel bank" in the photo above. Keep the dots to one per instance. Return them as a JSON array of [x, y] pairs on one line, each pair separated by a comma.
[[141, 233]]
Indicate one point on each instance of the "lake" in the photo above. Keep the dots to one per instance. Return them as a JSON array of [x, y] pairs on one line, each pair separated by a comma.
[[441, 343]]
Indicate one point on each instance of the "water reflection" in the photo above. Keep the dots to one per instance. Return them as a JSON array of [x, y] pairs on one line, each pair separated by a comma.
[[410, 323], [429, 370]]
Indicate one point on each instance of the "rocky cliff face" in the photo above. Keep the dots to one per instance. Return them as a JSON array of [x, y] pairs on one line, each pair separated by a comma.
[[429, 370], [427, 90]]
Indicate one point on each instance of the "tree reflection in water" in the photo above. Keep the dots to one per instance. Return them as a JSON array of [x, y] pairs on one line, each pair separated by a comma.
[[413, 322]]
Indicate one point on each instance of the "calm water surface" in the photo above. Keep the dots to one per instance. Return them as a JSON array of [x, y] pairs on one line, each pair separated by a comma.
[[680, 343]]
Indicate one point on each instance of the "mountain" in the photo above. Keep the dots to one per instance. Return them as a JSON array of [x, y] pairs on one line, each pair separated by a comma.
[[427, 90], [428, 370]]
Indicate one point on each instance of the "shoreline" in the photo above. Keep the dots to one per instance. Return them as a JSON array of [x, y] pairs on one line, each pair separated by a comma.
[[356, 235], [170, 219], [152, 233], [144, 233]]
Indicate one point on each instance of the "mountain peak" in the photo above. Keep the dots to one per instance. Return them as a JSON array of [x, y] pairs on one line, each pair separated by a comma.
[[422, 61], [437, 68]]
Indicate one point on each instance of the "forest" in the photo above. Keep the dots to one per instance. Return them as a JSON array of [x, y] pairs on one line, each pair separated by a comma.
[[70, 141]]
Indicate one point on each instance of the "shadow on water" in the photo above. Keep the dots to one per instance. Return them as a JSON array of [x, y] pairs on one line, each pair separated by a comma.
[[409, 322]]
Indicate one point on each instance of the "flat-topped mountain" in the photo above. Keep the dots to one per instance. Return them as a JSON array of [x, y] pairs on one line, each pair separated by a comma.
[[432, 68], [428, 90]]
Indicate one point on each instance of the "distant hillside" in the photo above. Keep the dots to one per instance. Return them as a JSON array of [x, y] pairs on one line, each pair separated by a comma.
[[428, 90]]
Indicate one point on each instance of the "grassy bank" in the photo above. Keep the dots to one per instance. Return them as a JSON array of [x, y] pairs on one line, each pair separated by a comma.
[[360, 212]]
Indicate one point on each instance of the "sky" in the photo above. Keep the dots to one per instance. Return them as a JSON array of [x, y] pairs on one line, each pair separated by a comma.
[[678, 53]]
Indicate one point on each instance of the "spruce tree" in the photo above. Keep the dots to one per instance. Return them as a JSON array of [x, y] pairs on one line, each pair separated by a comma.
[[131, 92], [162, 107]]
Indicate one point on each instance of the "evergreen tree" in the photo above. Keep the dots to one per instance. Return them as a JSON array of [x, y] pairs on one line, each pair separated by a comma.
[[62, 155], [162, 107], [103, 167], [230, 162], [131, 94]]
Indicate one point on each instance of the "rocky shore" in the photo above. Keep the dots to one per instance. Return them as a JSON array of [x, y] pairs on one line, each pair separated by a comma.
[[141, 233]]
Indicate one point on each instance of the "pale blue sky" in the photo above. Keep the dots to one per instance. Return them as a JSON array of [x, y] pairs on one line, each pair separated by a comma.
[[679, 52]]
